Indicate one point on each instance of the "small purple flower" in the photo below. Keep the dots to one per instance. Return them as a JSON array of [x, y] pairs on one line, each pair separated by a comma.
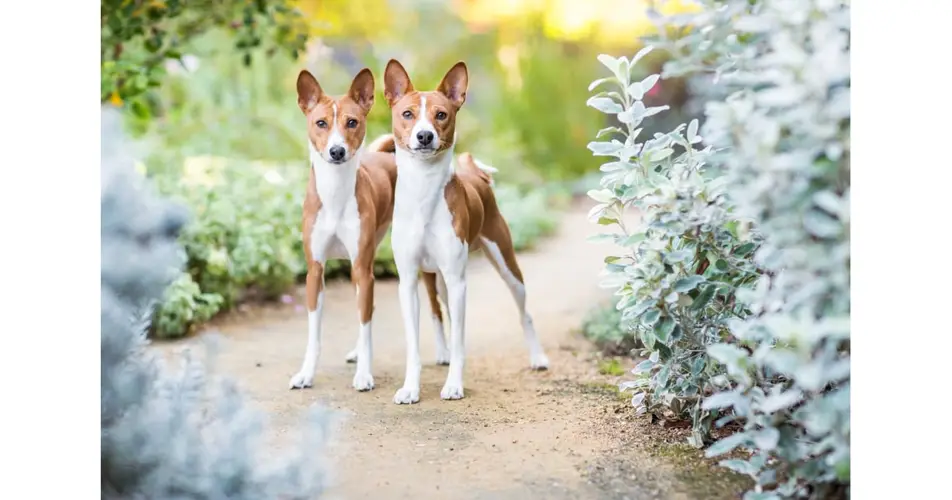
[[287, 299], [298, 308]]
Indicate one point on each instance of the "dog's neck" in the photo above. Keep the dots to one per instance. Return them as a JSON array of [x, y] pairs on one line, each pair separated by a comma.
[[422, 180], [436, 169], [335, 183]]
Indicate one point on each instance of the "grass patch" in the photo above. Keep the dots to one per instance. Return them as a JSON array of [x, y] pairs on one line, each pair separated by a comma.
[[610, 367]]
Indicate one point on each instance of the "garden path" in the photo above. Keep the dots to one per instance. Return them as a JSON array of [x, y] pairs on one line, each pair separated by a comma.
[[517, 434]]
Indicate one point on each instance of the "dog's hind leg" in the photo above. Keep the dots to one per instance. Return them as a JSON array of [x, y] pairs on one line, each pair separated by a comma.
[[352, 355], [436, 291], [497, 245]]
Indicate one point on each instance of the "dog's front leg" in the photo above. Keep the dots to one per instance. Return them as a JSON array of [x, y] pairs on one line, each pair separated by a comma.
[[408, 269], [315, 306], [455, 278]]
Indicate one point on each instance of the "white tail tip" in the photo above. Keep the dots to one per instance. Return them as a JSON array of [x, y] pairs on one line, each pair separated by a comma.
[[488, 169], [485, 168]]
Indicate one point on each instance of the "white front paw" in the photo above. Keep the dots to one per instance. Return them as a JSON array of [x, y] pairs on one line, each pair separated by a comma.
[[351, 356], [407, 395], [452, 390], [363, 381], [302, 379], [539, 362]]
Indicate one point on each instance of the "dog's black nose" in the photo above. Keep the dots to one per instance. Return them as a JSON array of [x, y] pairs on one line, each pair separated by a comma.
[[425, 137], [337, 153]]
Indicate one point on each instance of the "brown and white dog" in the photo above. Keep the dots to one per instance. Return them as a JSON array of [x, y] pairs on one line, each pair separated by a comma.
[[441, 213], [347, 210]]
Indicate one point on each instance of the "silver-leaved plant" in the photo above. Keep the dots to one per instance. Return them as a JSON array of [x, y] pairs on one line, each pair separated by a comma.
[[168, 433], [678, 272], [777, 155]]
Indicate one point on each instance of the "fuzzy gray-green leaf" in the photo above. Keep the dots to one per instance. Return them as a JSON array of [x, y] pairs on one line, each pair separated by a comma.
[[689, 283]]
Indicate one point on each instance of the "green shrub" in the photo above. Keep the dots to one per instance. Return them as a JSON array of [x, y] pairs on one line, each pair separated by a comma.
[[529, 214], [679, 274], [217, 105], [547, 130], [183, 305], [788, 167], [740, 278], [603, 326], [138, 39]]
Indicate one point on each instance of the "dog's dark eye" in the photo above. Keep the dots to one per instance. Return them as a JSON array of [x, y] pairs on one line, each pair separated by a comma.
[[407, 114], [322, 124], [351, 123], [440, 115]]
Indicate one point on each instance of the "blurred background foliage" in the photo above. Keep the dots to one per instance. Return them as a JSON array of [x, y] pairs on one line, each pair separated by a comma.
[[208, 89]]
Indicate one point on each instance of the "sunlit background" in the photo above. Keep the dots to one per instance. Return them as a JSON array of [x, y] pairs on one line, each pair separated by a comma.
[[530, 64]]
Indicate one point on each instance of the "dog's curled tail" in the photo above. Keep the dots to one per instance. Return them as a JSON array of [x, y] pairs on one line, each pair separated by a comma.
[[477, 167], [383, 144]]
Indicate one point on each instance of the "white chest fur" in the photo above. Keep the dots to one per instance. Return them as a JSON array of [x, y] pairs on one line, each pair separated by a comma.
[[336, 230], [422, 219]]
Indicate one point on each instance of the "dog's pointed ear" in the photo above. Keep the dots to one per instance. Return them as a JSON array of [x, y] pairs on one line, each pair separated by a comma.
[[309, 91], [396, 82], [362, 89], [455, 84]]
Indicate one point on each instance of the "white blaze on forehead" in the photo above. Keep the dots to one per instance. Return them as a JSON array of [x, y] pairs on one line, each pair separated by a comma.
[[423, 123], [336, 138]]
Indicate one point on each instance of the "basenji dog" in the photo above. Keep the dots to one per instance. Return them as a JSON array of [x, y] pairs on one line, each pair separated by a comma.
[[441, 213], [347, 210]]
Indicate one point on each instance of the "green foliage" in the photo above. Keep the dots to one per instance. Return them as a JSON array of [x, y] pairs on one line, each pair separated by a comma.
[[534, 111], [219, 106], [183, 305], [610, 367], [173, 433], [520, 113], [739, 281], [139, 37], [678, 275], [603, 326], [530, 214], [788, 168]]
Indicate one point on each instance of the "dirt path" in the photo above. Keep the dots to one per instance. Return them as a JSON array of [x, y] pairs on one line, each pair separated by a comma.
[[517, 434]]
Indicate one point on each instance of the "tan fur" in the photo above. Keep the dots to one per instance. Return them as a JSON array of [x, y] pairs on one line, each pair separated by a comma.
[[429, 280], [376, 180]]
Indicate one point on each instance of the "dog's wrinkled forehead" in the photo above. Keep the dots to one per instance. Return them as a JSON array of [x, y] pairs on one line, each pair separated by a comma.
[[334, 114], [423, 105], [336, 125]]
